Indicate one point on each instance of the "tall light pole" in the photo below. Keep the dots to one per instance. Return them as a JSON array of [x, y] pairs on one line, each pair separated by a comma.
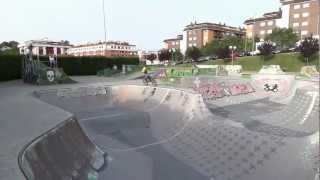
[[232, 48], [104, 22]]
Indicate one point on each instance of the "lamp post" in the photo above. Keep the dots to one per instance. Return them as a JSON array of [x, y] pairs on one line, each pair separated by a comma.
[[232, 48], [172, 51]]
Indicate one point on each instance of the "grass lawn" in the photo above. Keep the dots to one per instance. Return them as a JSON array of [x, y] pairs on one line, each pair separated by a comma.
[[288, 62]]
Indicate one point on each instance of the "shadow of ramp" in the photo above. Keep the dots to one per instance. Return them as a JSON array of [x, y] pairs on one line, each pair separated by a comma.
[[64, 152]]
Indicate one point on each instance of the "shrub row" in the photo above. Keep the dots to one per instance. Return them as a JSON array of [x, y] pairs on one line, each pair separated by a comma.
[[10, 65]]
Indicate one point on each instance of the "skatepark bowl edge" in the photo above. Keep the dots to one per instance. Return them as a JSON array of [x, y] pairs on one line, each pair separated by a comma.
[[129, 132]]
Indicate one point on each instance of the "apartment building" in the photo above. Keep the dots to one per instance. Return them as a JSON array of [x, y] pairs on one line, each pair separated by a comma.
[[303, 16], [174, 43], [300, 15], [199, 34], [262, 26], [108, 49]]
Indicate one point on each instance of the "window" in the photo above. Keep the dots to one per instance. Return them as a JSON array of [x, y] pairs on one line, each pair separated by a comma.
[[305, 23], [270, 23], [262, 24], [195, 44], [306, 14], [304, 32], [296, 24], [194, 38], [262, 32], [296, 16], [190, 38], [298, 6], [306, 5], [269, 31]]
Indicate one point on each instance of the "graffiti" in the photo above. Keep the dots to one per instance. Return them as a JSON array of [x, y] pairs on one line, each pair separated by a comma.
[[220, 90], [50, 75], [309, 71], [271, 87]]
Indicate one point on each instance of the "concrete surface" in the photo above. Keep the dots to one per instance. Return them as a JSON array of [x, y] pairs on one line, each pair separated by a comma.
[[160, 133]]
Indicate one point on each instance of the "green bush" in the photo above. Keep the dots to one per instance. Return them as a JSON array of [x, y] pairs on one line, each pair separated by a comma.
[[80, 66], [10, 65]]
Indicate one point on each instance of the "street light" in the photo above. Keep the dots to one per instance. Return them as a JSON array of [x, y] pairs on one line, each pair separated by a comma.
[[232, 48], [172, 51]]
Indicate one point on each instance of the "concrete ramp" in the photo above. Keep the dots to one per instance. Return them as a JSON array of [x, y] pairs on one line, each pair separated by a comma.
[[63, 152], [299, 118], [159, 133]]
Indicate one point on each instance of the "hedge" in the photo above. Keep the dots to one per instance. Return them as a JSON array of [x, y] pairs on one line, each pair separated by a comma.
[[10, 65], [291, 62]]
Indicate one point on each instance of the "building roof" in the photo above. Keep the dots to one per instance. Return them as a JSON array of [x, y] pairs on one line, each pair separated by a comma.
[[123, 43], [214, 26], [46, 43], [266, 16], [285, 2], [178, 38]]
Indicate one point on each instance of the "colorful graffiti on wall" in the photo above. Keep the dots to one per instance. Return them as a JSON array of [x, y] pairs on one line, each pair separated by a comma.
[[220, 90]]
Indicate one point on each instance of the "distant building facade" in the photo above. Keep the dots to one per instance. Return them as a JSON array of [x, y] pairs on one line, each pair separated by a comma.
[[300, 15], [174, 43], [45, 47], [199, 34], [108, 49], [303, 16], [262, 26]]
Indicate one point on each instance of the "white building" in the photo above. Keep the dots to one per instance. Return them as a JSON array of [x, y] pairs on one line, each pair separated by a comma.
[[108, 49], [44, 47]]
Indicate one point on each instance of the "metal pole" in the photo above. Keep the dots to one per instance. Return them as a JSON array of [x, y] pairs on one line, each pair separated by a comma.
[[104, 25], [232, 56]]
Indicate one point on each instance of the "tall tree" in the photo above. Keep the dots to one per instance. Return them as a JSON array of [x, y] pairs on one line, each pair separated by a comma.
[[164, 55], [151, 57], [283, 37], [177, 55], [194, 53], [309, 47], [266, 49]]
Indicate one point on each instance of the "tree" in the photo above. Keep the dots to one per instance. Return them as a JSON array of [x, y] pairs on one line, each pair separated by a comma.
[[283, 37], [218, 46], [309, 47], [177, 56], [151, 57], [223, 52], [164, 55], [12, 45], [266, 49], [193, 53]]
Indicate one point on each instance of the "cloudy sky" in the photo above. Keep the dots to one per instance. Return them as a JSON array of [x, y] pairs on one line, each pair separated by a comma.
[[142, 22]]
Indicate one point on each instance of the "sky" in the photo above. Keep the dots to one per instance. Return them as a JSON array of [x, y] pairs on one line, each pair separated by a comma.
[[145, 23]]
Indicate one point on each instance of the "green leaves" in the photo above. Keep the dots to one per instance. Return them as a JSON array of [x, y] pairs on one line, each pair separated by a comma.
[[193, 53], [283, 37]]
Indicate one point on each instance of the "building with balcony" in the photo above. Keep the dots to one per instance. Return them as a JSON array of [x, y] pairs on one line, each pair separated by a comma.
[[44, 47], [303, 16], [108, 49], [199, 34], [300, 15]]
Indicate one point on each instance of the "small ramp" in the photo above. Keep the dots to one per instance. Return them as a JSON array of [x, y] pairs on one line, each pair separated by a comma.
[[63, 152], [299, 118]]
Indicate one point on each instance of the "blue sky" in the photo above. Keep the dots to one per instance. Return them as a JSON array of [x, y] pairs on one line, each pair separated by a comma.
[[142, 22]]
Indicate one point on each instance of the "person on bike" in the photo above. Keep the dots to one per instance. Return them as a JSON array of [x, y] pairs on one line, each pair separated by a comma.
[[146, 74]]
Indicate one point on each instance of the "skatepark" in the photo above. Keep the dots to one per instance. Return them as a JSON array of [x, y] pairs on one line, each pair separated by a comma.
[[202, 128]]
